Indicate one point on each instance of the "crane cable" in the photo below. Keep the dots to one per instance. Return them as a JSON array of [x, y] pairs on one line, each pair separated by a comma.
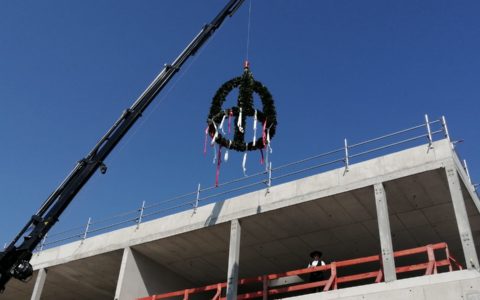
[[248, 29]]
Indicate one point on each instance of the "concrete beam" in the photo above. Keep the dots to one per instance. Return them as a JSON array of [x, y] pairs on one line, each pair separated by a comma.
[[39, 283], [364, 174], [466, 181], [140, 277], [233, 259], [384, 233], [461, 217]]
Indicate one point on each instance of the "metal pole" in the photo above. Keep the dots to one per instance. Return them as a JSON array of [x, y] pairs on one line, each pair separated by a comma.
[[86, 229], [269, 182], [142, 209], [429, 130], [197, 199], [346, 155], [42, 244], [445, 128], [465, 166]]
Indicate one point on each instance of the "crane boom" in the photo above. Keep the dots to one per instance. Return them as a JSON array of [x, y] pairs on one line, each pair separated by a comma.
[[14, 260]]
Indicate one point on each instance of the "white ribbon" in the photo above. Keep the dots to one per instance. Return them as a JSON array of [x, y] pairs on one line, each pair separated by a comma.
[[244, 164], [216, 133], [226, 152], [239, 122], [221, 124], [268, 140], [255, 128]]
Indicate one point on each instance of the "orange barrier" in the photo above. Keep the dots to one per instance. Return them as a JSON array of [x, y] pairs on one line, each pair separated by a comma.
[[430, 267]]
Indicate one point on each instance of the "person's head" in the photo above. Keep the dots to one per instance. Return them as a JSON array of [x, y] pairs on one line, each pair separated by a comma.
[[316, 255]]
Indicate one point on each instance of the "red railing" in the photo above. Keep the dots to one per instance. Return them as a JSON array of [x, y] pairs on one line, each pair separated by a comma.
[[430, 267]]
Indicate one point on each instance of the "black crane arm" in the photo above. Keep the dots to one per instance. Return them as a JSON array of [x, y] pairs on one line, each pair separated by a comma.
[[14, 260]]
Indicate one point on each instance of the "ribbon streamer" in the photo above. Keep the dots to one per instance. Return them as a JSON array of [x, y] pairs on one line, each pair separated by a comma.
[[226, 152], [230, 121], [244, 164], [225, 158], [221, 124], [239, 122], [255, 128], [214, 154], [205, 145], [262, 159], [268, 141], [264, 134], [219, 162], [216, 133]]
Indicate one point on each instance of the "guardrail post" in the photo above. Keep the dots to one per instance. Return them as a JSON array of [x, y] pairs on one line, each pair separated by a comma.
[[346, 156], [432, 264], [86, 229], [429, 130], [265, 287], [269, 182], [197, 199], [42, 243], [333, 278], [445, 128], [140, 217], [465, 167], [449, 259]]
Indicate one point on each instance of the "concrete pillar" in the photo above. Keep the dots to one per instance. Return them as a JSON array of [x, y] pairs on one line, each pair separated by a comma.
[[461, 216], [140, 276], [384, 233], [233, 259], [39, 283]]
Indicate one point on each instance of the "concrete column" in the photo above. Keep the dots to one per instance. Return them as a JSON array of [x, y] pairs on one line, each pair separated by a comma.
[[384, 233], [233, 259], [39, 283], [140, 276], [461, 216]]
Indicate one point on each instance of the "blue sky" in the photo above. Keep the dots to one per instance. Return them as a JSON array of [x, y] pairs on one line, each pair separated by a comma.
[[337, 69]]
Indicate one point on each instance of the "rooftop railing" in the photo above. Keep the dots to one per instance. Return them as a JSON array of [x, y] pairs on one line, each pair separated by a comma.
[[425, 133]]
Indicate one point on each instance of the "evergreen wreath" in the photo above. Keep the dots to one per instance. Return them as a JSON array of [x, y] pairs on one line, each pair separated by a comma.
[[247, 86]]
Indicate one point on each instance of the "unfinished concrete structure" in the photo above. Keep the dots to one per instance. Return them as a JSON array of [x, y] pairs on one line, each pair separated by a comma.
[[414, 197]]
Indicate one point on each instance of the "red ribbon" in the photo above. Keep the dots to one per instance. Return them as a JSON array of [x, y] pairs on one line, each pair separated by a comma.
[[219, 162], [262, 160]]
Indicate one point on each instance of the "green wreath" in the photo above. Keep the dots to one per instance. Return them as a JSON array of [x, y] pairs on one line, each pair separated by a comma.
[[247, 86]]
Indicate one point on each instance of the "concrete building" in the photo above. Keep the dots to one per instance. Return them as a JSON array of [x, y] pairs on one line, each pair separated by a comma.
[[411, 198]]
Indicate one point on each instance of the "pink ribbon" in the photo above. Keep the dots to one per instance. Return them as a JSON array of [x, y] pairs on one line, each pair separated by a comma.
[[219, 161], [264, 134], [262, 160]]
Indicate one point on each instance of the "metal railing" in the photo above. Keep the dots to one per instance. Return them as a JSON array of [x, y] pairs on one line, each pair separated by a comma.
[[433, 265], [427, 132]]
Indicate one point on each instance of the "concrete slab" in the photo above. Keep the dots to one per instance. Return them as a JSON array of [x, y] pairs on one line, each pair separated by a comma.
[[447, 286]]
